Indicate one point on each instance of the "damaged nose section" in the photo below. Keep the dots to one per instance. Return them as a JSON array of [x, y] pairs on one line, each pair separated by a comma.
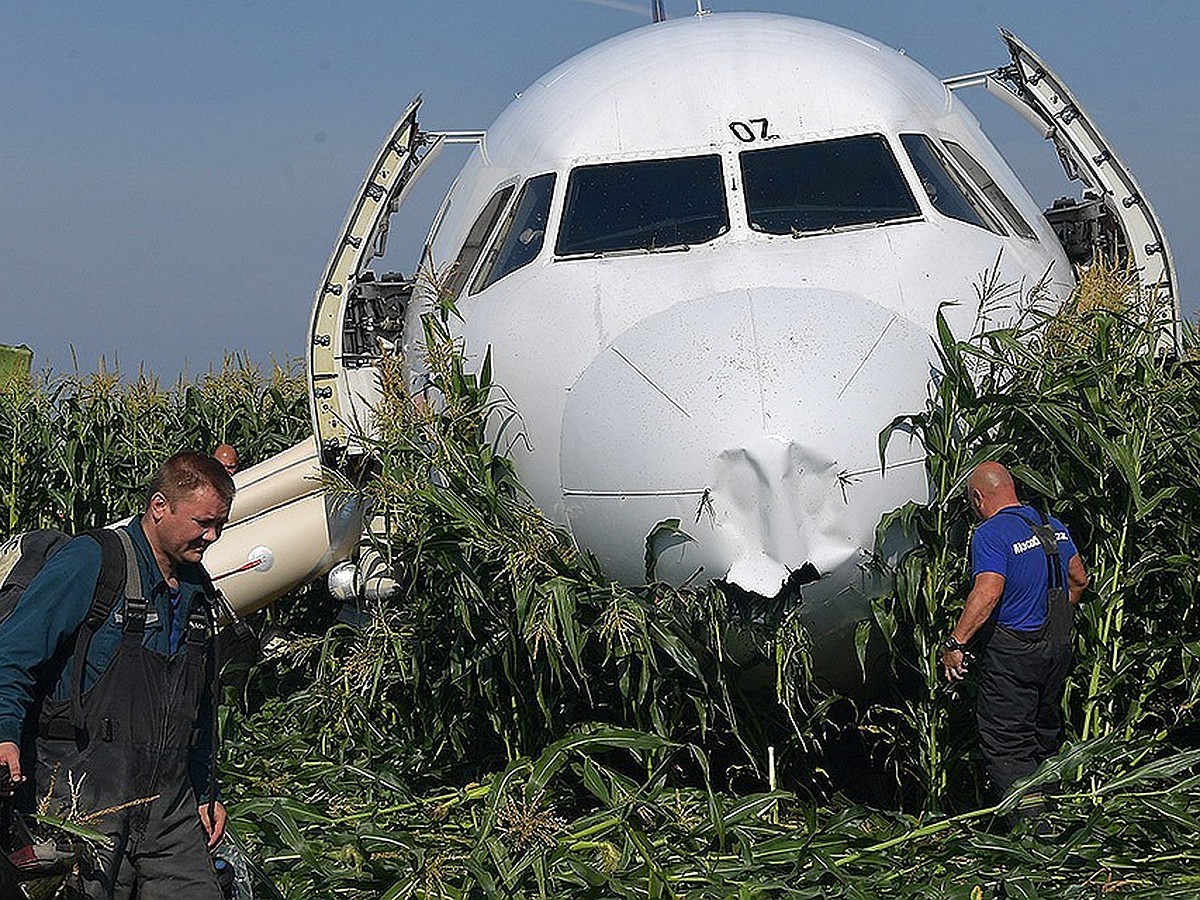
[[755, 608], [748, 420], [780, 510]]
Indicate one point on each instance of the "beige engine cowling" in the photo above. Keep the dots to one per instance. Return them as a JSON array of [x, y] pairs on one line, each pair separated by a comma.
[[286, 528]]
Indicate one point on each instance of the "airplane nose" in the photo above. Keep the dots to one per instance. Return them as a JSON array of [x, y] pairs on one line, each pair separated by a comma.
[[752, 417]]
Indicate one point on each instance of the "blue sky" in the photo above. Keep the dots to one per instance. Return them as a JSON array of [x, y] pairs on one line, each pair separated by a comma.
[[172, 175]]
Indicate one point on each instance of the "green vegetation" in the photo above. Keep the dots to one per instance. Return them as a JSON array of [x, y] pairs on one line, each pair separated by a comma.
[[14, 363], [79, 450], [511, 724]]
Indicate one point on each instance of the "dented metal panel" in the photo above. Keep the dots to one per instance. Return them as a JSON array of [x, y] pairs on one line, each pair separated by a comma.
[[755, 414]]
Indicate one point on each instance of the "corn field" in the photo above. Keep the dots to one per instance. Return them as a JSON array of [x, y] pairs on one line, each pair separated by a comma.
[[512, 724], [80, 449]]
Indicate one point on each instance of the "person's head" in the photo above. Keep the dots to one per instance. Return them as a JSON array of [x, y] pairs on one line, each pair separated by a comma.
[[990, 488], [186, 507], [226, 455]]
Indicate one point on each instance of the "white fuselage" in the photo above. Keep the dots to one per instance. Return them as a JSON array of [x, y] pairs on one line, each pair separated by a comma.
[[737, 378]]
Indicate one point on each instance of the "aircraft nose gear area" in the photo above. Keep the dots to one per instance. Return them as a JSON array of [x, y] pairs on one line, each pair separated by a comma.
[[753, 417]]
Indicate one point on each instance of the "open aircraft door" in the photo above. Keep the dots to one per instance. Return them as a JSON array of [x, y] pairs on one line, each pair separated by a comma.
[[356, 319], [295, 516], [1114, 217]]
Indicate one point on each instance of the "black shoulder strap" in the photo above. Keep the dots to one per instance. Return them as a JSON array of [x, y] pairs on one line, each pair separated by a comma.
[[202, 630], [1044, 532], [1054, 569], [117, 558]]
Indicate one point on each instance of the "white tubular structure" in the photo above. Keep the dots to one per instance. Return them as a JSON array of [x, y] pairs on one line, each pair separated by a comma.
[[286, 529]]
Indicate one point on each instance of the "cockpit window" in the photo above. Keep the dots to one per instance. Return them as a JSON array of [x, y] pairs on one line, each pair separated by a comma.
[[978, 174], [644, 205], [948, 191], [521, 236], [473, 245], [825, 185]]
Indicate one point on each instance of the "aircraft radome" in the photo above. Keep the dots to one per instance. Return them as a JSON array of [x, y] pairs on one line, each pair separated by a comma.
[[706, 256]]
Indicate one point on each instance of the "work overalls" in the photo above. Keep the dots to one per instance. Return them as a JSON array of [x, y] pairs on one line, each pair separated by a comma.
[[125, 772], [1022, 678]]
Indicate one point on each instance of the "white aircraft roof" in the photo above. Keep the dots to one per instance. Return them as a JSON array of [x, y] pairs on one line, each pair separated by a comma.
[[636, 92]]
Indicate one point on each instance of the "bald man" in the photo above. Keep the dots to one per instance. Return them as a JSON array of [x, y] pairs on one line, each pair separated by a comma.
[[1019, 620], [227, 455]]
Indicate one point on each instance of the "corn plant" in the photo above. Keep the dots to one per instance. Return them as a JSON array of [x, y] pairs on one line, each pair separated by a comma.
[[78, 450], [598, 813], [1100, 429]]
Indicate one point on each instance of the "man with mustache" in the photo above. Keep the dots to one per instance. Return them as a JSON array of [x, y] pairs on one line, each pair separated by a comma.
[[126, 732]]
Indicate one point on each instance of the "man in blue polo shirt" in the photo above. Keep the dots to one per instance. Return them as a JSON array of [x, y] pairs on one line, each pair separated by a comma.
[[1028, 580]]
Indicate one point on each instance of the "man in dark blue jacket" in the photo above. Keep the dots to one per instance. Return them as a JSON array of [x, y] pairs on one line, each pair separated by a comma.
[[1028, 579], [139, 768]]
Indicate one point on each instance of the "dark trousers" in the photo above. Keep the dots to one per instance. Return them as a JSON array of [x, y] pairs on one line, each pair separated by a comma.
[[157, 852], [130, 779], [1019, 711]]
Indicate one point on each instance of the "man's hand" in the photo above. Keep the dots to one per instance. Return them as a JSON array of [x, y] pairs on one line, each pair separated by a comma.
[[10, 755], [1077, 579], [986, 591], [214, 824], [954, 665]]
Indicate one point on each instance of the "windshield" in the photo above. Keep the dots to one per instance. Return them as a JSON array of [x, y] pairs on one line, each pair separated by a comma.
[[643, 205], [948, 191], [825, 185], [520, 238], [990, 189], [468, 255]]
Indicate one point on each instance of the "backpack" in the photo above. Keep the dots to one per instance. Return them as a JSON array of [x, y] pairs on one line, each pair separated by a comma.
[[21, 558]]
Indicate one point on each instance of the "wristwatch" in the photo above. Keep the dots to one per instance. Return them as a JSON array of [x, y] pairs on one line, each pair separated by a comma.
[[951, 644]]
